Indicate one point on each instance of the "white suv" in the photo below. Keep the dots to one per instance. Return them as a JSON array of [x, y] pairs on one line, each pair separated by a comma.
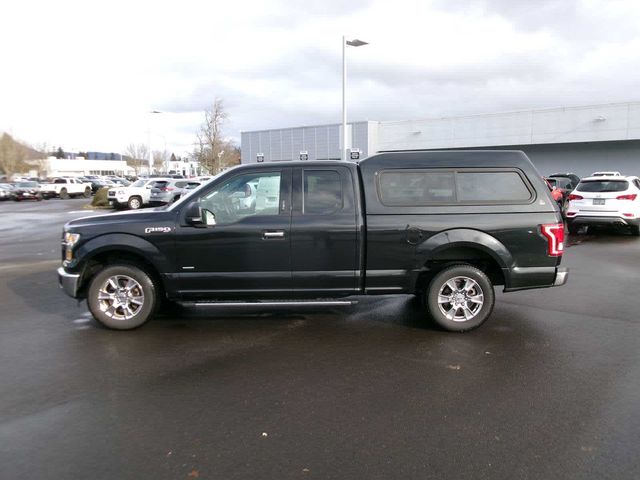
[[605, 200], [134, 196]]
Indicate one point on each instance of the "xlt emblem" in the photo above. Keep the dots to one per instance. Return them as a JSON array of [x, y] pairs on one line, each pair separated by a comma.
[[157, 230]]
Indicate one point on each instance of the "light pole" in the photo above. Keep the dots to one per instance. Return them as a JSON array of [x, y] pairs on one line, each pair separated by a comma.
[[150, 152], [351, 43]]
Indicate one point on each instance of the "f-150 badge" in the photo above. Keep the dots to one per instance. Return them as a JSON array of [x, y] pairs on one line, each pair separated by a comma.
[[157, 229]]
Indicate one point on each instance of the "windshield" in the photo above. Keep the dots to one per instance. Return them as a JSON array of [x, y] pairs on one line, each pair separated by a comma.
[[139, 183], [27, 184], [603, 186]]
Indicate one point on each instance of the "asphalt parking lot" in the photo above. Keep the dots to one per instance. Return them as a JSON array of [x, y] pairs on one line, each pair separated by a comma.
[[548, 388]]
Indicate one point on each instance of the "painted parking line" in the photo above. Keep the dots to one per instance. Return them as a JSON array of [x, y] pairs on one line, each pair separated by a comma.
[[81, 211]]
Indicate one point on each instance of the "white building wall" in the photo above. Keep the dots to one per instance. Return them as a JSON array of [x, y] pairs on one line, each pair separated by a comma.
[[58, 167], [591, 123]]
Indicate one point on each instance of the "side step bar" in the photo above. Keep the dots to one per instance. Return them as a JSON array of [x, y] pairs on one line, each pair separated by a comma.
[[275, 303]]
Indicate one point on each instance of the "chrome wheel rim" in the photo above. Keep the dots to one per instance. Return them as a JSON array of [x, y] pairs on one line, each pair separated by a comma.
[[121, 297], [460, 299], [134, 203]]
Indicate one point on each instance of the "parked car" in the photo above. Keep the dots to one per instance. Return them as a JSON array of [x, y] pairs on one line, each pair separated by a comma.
[[135, 196], [167, 191], [556, 193], [5, 191], [605, 200], [446, 226], [98, 184], [191, 185], [26, 191], [575, 179], [565, 183], [66, 187]]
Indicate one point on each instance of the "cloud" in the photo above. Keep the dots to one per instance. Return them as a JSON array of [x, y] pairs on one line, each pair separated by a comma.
[[89, 82]]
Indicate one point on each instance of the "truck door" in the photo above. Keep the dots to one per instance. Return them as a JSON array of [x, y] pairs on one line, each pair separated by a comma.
[[244, 250], [324, 232]]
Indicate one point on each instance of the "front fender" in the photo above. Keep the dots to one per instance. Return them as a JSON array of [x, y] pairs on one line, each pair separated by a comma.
[[119, 242], [463, 237]]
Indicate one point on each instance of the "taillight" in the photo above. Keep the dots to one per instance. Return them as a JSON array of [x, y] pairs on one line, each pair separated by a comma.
[[573, 196], [627, 197], [554, 233]]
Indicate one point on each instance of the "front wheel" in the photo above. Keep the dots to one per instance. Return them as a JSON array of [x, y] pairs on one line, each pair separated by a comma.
[[460, 298], [64, 195], [134, 203], [635, 230], [87, 192], [122, 297]]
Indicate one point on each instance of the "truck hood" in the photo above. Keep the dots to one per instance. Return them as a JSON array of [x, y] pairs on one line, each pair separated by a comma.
[[112, 220]]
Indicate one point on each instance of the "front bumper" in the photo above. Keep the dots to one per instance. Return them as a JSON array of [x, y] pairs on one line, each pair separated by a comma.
[[69, 282]]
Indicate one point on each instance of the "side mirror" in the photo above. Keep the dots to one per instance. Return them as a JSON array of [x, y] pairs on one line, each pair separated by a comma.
[[193, 215]]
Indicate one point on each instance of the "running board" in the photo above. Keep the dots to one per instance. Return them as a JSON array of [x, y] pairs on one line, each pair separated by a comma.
[[271, 303]]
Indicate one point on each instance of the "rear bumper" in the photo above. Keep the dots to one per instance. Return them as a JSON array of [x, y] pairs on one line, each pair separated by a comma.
[[68, 282], [562, 275], [534, 277], [602, 220]]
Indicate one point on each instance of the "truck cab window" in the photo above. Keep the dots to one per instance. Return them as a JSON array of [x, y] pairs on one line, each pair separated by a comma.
[[322, 192], [243, 196]]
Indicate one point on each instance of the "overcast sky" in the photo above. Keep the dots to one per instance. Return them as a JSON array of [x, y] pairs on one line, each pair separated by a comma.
[[83, 75]]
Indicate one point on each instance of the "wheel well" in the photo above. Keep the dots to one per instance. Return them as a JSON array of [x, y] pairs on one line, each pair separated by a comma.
[[118, 257], [460, 255]]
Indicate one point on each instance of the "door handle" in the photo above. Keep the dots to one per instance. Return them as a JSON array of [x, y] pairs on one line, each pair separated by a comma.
[[273, 234]]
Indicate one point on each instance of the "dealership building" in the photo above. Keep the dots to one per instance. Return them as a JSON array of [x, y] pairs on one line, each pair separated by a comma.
[[579, 139]]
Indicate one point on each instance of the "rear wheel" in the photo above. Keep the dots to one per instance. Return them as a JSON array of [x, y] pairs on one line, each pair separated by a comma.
[[87, 192], [572, 228], [134, 203], [64, 195], [122, 297], [460, 298]]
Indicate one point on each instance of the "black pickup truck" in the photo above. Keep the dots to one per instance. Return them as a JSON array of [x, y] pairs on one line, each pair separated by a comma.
[[446, 226]]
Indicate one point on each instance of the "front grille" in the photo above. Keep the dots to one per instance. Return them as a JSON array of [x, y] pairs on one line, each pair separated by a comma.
[[112, 194]]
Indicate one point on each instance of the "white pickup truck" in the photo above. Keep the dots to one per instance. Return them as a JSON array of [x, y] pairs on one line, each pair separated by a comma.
[[66, 187], [135, 195]]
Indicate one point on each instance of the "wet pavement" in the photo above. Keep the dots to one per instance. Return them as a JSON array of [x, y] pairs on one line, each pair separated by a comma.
[[548, 388]]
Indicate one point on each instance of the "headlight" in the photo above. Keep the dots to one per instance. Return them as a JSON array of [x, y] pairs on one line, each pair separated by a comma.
[[71, 239], [120, 192]]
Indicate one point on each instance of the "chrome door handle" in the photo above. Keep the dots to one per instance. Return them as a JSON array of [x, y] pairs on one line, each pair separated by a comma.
[[276, 234]]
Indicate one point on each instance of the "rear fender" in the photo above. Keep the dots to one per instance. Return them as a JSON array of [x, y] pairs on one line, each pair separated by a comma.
[[464, 237]]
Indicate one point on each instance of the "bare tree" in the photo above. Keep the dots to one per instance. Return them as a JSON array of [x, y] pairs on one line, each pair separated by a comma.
[[210, 143], [160, 160], [12, 155], [138, 154], [43, 162]]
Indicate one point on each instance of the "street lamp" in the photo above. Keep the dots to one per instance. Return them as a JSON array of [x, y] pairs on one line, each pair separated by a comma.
[[351, 43], [150, 153]]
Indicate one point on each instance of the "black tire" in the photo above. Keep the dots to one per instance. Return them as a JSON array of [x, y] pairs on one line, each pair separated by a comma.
[[64, 195], [459, 276], [572, 228], [134, 203], [122, 312], [635, 230], [87, 192]]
